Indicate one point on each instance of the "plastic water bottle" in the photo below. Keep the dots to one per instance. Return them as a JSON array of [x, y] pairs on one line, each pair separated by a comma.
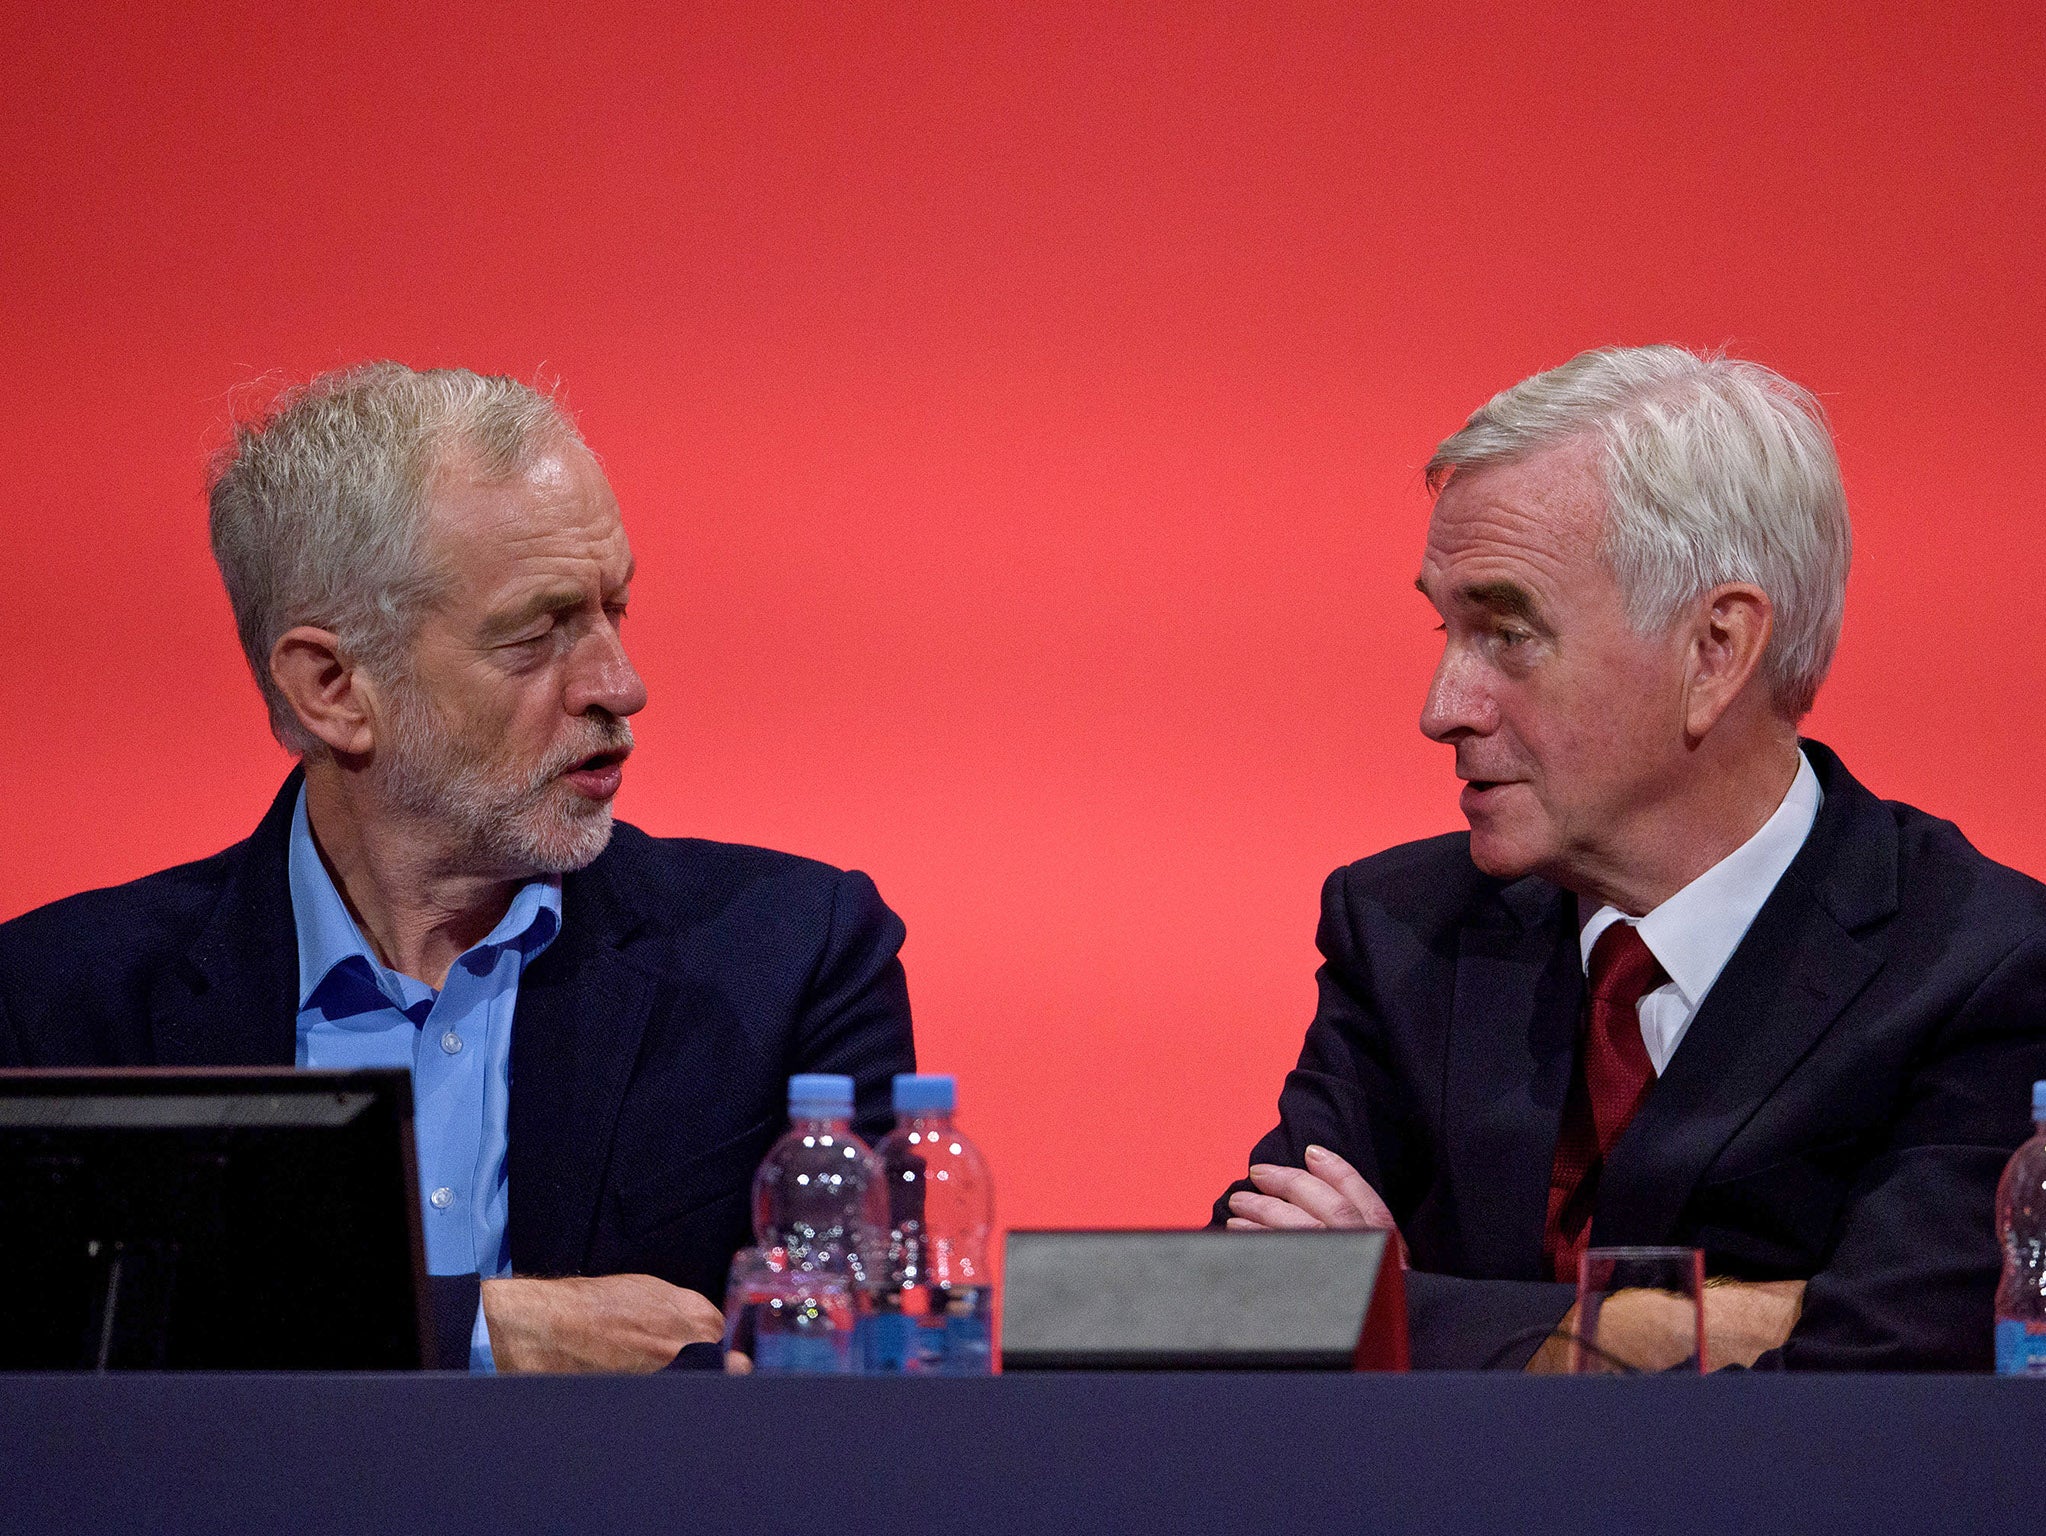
[[818, 1200], [930, 1307], [2021, 1221]]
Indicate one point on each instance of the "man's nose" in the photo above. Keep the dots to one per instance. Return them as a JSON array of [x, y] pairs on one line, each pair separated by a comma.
[[1458, 704], [605, 677]]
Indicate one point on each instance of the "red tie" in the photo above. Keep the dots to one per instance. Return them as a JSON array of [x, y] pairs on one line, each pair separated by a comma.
[[1611, 1079]]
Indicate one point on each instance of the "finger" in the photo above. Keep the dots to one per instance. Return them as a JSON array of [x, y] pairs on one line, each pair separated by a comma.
[[1244, 1217], [1264, 1212], [1320, 1199], [737, 1363], [1271, 1213], [1351, 1185]]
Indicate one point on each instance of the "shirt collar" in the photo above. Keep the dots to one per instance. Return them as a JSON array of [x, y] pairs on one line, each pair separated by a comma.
[[328, 936], [1695, 932]]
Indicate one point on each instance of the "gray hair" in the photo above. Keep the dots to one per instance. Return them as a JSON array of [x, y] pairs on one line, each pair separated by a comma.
[[1716, 470], [316, 506]]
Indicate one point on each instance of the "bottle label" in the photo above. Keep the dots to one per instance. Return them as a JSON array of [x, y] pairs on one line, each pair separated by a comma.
[[795, 1354], [2020, 1347], [968, 1346], [887, 1342]]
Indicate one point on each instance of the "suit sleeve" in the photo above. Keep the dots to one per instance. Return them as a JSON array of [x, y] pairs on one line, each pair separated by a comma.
[[1347, 1093], [855, 1016], [1343, 1093], [454, 1303], [1910, 1281]]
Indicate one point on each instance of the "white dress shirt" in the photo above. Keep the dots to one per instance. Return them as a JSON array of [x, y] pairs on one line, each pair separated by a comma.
[[1695, 932]]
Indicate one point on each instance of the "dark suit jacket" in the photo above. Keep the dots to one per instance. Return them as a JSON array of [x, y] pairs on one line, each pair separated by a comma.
[[651, 1046], [1838, 1111]]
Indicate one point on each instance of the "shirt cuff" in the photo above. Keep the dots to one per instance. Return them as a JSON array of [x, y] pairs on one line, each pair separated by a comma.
[[481, 1361]]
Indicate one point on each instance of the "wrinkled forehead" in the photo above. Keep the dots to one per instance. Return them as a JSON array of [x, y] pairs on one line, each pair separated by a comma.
[[1540, 518], [554, 517]]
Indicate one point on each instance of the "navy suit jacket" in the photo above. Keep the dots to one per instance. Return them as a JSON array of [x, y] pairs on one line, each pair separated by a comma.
[[1838, 1111], [651, 1046]]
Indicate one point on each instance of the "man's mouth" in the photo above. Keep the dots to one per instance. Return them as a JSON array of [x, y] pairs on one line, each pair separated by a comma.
[[598, 776], [1479, 792]]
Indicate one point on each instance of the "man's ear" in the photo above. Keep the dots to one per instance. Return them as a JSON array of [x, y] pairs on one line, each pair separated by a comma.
[[326, 689], [1730, 633]]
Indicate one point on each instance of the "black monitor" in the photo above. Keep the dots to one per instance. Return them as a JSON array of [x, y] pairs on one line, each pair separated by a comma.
[[227, 1219]]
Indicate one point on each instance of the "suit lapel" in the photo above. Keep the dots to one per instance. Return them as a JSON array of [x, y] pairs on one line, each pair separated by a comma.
[[1800, 965], [1512, 1033], [234, 1002], [582, 1009]]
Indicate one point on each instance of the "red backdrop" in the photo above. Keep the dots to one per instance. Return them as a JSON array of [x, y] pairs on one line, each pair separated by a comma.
[[1018, 414]]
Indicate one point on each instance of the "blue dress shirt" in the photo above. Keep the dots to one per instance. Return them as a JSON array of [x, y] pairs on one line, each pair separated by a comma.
[[354, 1011]]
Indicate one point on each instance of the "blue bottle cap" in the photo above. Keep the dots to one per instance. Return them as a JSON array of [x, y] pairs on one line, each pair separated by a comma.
[[924, 1093], [2038, 1100], [820, 1096]]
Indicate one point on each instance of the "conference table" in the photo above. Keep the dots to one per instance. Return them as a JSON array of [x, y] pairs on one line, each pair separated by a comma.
[[1062, 1453]]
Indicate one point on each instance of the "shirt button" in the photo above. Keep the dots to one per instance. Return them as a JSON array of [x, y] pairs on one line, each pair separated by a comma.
[[442, 1198], [451, 1042]]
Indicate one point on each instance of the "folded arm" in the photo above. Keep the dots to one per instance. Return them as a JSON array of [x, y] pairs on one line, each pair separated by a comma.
[[1910, 1281]]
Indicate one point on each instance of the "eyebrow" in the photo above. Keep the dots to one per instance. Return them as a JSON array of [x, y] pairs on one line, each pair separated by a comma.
[[1507, 598], [545, 602], [539, 605]]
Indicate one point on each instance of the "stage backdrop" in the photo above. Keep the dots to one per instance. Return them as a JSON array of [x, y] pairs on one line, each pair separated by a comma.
[[1018, 415]]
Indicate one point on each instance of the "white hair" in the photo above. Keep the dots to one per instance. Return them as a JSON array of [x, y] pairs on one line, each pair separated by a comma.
[[1716, 470], [316, 506]]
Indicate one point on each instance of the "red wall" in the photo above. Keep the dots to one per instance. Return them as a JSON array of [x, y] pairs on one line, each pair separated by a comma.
[[1018, 415]]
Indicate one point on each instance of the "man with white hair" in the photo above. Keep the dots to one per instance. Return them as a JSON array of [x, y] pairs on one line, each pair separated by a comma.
[[429, 575], [1684, 981]]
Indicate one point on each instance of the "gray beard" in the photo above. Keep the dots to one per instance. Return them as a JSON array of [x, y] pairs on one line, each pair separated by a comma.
[[509, 822]]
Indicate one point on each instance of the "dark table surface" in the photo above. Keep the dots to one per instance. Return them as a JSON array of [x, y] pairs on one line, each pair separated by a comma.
[[1056, 1453]]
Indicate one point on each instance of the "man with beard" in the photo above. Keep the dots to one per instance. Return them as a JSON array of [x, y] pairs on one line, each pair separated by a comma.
[[429, 576]]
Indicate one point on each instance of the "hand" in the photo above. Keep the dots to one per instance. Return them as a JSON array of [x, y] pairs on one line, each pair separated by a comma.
[[603, 1323], [1655, 1331], [1328, 1192], [1745, 1319]]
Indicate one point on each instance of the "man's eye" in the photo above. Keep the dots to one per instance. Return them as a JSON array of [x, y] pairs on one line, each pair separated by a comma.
[[1509, 638]]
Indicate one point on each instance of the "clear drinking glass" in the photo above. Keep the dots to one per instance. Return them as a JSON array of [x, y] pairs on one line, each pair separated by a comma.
[[1657, 1325], [755, 1281], [806, 1326], [786, 1319]]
